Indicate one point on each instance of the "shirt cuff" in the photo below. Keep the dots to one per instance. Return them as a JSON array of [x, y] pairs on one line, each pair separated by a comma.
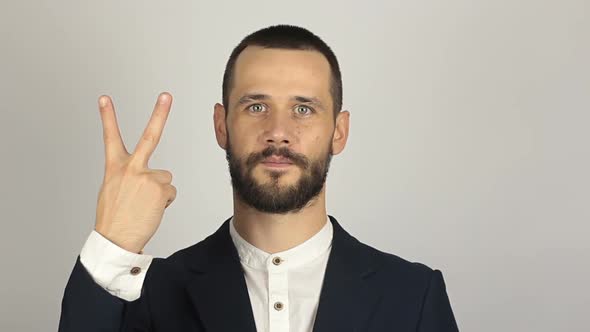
[[118, 271]]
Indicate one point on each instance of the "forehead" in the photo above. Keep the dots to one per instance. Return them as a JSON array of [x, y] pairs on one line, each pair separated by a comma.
[[281, 73]]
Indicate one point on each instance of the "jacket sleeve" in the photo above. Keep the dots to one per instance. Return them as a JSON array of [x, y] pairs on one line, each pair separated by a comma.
[[88, 307], [437, 315]]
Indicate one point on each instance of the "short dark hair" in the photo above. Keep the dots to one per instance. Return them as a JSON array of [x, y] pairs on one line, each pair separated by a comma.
[[285, 37]]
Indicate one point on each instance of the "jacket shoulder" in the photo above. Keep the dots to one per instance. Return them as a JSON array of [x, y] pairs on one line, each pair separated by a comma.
[[400, 269]]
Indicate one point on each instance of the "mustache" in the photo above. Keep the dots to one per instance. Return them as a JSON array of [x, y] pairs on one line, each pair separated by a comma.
[[296, 158]]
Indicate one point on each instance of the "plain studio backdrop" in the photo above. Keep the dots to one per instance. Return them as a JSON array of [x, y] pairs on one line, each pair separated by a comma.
[[468, 147]]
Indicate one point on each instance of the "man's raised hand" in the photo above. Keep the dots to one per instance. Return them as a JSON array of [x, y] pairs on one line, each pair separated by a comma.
[[132, 197]]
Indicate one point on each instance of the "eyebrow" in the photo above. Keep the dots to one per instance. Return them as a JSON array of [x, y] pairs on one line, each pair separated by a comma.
[[252, 97], [259, 96]]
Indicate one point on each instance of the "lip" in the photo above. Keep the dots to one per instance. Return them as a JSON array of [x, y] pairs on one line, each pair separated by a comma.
[[276, 165], [277, 160]]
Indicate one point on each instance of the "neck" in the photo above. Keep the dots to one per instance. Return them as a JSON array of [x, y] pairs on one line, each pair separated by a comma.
[[274, 233]]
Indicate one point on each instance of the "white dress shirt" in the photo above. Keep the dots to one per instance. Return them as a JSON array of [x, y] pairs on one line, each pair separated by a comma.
[[283, 287]]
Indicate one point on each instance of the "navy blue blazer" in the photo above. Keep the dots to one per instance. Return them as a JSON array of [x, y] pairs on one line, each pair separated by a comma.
[[202, 288]]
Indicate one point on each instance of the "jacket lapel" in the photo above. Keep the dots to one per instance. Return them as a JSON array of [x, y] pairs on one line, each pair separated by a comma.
[[218, 290], [219, 293], [347, 298]]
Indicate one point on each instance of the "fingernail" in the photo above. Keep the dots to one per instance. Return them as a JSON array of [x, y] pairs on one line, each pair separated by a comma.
[[163, 98], [102, 101]]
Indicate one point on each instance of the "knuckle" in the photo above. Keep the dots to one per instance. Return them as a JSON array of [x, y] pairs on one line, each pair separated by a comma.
[[161, 190], [115, 166], [150, 137], [135, 161], [166, 175], [111, 166], [115, 161], [169, 175], [162, 175], [145, 177]]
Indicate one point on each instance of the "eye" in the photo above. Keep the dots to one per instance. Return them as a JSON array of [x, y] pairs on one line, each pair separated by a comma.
[[256, 108], [303, 110]]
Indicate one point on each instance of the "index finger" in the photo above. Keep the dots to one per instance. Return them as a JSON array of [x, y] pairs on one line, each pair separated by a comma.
[[152, 133], [113, 143]]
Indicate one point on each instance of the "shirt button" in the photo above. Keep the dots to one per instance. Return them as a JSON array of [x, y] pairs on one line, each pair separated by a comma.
[[278, 306], [135, 270], [277, 260]]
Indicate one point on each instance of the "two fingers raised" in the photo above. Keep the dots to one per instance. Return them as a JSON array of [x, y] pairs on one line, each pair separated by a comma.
[[114, 147]]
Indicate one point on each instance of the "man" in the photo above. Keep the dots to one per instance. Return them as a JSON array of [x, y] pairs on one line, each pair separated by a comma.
[[280, 263]]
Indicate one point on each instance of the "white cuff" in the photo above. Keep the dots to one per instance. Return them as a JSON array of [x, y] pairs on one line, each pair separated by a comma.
[[118, 271]]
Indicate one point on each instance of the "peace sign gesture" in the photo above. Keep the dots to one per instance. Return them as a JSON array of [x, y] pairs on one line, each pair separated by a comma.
[[132, 197]]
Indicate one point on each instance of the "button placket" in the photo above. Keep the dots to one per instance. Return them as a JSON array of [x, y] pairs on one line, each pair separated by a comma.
[[278, 293]]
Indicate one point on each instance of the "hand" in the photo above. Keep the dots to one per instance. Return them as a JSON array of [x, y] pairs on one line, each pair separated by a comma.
[[132, 197]]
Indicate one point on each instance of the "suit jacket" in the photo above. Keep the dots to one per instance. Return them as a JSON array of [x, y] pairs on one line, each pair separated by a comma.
[[202, 288]]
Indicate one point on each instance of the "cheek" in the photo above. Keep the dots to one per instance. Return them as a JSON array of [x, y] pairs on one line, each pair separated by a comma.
[[242, 138], [315, 145]]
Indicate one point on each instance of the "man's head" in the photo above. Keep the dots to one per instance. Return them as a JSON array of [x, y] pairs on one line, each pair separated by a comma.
[[282, 95], [286, 37]]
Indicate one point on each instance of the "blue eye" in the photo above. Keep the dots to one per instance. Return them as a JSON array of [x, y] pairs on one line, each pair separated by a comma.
[[256, 108], [303, 107]]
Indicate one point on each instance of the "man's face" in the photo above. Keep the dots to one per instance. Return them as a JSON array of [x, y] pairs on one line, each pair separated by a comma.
[[280, 108]]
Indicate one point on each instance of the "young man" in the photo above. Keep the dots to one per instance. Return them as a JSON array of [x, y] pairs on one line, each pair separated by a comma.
[[280, 263]]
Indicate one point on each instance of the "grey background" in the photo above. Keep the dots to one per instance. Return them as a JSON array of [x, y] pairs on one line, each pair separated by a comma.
[[468, 147]]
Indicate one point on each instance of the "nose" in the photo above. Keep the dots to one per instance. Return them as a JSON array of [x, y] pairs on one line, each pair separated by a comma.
[[278, 129]]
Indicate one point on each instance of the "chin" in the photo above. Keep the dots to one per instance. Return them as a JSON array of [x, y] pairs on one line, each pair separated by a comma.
[[284, 176]]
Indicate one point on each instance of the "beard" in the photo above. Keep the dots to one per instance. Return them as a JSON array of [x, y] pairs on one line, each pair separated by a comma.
[[272, 197]]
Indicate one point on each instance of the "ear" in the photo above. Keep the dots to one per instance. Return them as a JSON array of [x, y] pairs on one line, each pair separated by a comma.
[[219, 125], [340, 132]]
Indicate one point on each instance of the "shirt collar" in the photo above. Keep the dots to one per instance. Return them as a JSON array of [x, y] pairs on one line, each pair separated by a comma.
[[303, 253]]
